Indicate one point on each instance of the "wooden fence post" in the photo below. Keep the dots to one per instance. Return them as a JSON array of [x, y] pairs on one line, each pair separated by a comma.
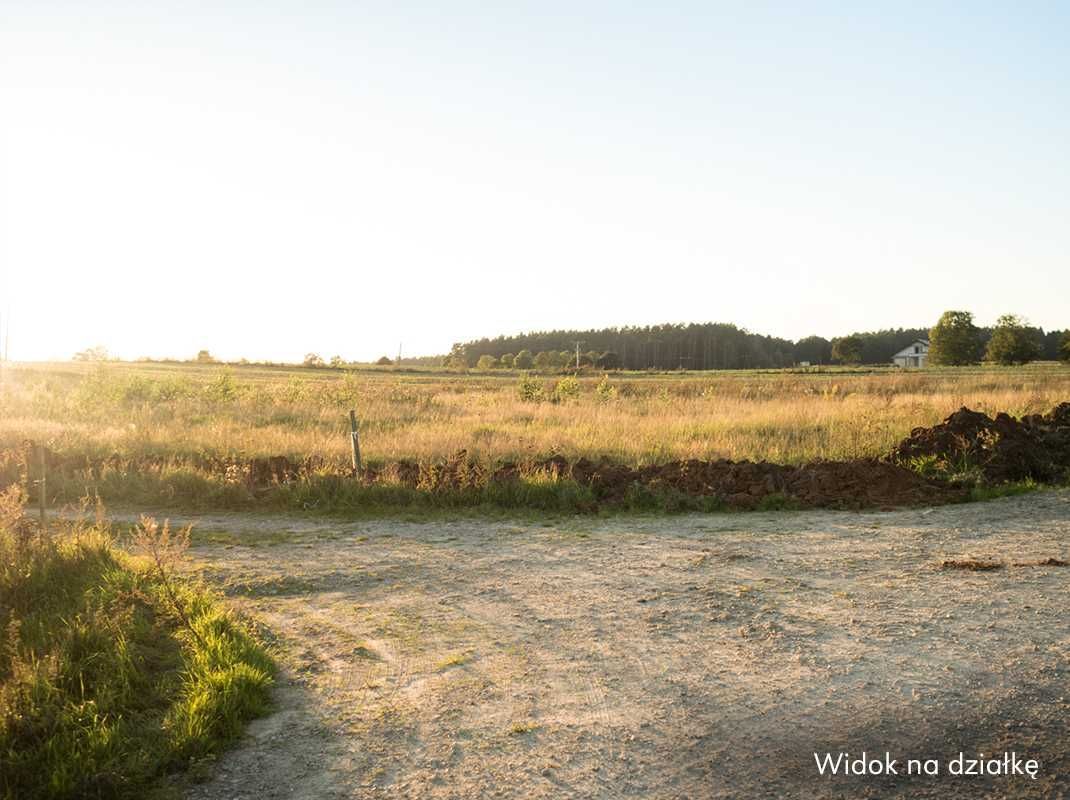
[[42, 487], [358, 466]]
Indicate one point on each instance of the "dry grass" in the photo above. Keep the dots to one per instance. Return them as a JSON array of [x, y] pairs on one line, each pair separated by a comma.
[[176, 411]]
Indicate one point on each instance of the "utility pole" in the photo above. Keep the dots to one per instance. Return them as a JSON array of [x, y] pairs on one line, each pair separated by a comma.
[[399, 354], [578, 354]]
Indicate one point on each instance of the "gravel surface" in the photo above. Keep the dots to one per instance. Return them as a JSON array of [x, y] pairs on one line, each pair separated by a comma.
[[705, 656]]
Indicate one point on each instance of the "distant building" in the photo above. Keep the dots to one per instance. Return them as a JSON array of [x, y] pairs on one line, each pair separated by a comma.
[[916, 355]]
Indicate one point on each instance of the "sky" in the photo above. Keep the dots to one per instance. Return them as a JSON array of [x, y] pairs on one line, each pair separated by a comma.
[[270, 179]]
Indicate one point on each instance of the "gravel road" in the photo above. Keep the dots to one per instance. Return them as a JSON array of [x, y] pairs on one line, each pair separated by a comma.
[[705, 656]]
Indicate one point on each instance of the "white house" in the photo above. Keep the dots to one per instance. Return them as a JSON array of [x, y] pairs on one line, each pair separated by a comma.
[[913, 356]]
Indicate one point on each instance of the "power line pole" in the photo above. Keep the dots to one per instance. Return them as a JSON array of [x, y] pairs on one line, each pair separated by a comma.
[[399, 354], [578, 354]]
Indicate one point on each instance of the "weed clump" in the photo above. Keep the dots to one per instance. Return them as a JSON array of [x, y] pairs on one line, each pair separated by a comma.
[[112, 673]]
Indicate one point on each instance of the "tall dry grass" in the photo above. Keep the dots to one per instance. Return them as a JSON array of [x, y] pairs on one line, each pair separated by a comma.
[[176, 411]]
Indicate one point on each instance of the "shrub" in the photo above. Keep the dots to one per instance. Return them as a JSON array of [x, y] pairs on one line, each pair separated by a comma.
[[487, 362], [110, 674], [313, 360], [530, 389], [567, 389], [524, 360], [507, 360], [385, 361], [604, 391]]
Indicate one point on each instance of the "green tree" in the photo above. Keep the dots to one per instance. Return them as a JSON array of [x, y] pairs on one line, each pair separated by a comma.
[[1064, 351], [524, 360], [204, 357], [313, 360], [385, 361], [1012, 342], [847, 349], [487, 362], [955, 340], [608, 360], [814, 349], [546, 359], [507, 360], [337, 361], [97, 353]]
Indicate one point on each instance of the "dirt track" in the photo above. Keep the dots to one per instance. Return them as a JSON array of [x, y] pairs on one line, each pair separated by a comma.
[[698, 657]]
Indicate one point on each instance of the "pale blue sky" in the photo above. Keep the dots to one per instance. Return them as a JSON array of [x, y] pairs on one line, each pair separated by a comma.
[[269, 179]]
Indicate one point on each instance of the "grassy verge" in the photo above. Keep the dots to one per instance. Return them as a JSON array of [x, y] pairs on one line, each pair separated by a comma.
[[189, 489], [113, 673]]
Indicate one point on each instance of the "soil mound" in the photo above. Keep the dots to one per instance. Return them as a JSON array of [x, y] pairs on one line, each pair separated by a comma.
[[1002, 449], [747, 484]]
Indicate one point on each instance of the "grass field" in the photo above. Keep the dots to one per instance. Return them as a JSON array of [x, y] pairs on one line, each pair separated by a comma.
[[179, 413]]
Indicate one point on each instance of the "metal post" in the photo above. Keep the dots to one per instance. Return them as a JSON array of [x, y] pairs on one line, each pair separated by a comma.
[[358, 467]]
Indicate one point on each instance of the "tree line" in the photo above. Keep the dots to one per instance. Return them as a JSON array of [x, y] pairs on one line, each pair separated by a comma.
[[955, 339], [706, 346]]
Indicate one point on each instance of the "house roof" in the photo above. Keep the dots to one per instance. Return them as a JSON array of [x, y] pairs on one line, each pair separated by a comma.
[[908, 350]]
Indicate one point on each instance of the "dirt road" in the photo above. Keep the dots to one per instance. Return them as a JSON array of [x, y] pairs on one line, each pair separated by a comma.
[[686, 657]]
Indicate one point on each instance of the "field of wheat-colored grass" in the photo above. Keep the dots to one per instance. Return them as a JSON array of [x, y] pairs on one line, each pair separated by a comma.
[[177, 411]]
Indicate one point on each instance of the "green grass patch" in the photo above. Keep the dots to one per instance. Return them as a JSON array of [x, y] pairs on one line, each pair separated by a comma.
[[1009, 489], [108, 681]]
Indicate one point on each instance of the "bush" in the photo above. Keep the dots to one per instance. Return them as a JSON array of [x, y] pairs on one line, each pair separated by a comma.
[[604, 391], [487, 362], [567, 389], [507, 360], [385, 361], [530, 389], [524, 360]]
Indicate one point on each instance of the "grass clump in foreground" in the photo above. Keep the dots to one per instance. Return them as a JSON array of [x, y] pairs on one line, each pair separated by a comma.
[[113, 671]]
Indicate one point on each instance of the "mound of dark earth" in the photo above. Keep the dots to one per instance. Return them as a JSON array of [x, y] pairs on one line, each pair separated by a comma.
[[738, 484], [1003, 449]]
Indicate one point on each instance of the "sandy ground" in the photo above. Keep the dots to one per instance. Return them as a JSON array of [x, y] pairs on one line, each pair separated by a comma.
[[686, 657]]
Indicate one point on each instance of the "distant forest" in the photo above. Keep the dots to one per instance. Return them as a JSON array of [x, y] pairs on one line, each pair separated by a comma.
[[704, 346]]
